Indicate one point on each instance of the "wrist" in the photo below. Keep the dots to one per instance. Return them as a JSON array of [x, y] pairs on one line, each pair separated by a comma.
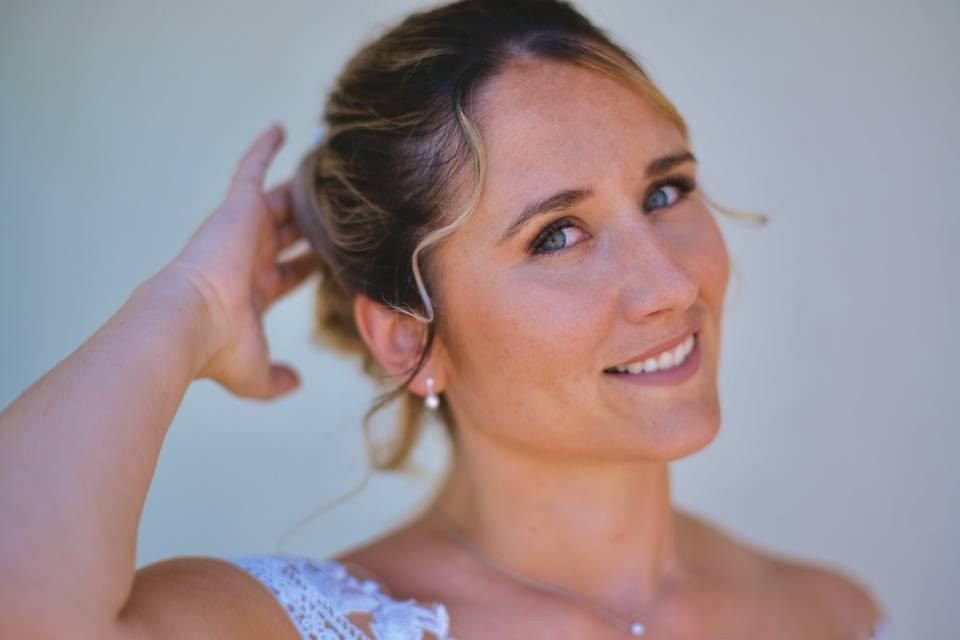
[[175, 288]]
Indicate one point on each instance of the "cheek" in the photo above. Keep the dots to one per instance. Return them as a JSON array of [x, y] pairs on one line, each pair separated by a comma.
[[698, 246], [540, 321], [712, 261]]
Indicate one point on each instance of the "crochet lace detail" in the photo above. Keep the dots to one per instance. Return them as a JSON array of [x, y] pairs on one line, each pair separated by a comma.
[[318, 595]]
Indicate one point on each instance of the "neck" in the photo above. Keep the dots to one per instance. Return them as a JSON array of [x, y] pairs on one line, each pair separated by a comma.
[[528, 512]]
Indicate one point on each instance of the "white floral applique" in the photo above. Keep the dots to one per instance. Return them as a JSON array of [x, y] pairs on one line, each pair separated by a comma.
[[406, 620], [318, 595]]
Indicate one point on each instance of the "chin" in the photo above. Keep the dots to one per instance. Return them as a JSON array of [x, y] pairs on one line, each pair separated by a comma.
[[682, 432]]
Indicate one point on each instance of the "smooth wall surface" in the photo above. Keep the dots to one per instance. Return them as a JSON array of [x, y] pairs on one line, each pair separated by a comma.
[[121, 123]]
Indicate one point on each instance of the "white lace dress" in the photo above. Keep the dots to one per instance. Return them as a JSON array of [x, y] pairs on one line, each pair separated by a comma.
[[318, 595]]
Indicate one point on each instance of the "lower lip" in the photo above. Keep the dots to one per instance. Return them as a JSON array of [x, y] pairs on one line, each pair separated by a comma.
[[674, 375]]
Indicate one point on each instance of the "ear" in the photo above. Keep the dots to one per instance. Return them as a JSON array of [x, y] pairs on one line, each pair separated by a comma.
[[395, 339]]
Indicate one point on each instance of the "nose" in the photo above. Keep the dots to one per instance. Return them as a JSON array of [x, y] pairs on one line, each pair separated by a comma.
[[653, 276]]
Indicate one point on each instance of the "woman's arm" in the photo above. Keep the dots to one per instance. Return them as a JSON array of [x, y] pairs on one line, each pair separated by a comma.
[[79, 448], [77, 452]]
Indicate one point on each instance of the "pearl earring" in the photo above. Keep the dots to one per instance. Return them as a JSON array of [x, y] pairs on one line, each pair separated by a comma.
[[432, 400]]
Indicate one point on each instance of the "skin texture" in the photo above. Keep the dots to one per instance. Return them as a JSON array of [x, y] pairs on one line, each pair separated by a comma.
[[556, 459]]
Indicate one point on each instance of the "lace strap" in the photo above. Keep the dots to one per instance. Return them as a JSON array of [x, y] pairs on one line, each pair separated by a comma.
[[318, 595], [313, 613]]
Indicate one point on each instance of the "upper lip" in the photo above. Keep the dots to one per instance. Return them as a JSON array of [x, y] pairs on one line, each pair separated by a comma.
[[672, 342]]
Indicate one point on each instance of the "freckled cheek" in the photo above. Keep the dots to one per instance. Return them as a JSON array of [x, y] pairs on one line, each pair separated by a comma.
[[712, 263], [699, 247], [545, 325]]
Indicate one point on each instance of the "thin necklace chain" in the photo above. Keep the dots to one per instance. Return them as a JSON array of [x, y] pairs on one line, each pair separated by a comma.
[[635, 629]]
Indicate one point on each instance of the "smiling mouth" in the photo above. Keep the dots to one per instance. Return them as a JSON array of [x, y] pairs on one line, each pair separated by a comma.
[[663, 361]]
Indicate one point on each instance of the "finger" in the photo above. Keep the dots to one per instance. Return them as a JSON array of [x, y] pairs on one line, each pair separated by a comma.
[[273, 382], [280, 202], [294, 271], [283, 380], [253, 165], [287, 235]]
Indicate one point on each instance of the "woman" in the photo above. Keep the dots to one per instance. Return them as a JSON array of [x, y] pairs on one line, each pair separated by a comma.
[[506, 220]]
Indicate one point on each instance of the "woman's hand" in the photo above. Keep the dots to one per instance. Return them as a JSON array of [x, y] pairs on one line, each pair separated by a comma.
[[231, 260]]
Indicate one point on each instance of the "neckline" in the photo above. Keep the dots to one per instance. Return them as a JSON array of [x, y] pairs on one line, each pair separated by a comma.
[[388, 614]]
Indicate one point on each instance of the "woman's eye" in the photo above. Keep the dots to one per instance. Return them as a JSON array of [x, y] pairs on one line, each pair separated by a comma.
[[663, 197], [555, 238], [668, 192]]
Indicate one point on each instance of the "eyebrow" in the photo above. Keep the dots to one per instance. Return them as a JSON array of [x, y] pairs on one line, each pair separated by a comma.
[[568, 198]]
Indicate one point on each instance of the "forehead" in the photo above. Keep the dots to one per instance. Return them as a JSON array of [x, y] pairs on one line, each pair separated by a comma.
[[548, 125]]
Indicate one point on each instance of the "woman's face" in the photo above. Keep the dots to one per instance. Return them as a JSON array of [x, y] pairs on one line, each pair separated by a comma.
[[527, 332]]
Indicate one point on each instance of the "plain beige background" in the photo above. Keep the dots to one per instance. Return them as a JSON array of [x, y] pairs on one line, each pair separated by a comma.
[[121, 123]]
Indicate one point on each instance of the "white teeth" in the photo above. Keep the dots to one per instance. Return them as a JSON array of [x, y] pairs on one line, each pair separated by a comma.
[[635, 367], [666, 360], [651, 364]]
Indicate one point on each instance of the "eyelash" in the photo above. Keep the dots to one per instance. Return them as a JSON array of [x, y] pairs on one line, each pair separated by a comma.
[[683, 184]]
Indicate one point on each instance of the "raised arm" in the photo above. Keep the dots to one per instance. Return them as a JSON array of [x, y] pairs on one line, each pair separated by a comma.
[[78, 449]]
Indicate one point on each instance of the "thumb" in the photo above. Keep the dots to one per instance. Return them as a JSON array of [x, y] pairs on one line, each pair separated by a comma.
[[283, 379]]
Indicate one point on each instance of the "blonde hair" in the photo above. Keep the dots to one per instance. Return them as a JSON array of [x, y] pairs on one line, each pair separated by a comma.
[[373, 197]]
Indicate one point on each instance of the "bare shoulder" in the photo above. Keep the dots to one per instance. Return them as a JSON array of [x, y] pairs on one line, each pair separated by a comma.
[[202, 597], [846, 596], [802, 587]]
